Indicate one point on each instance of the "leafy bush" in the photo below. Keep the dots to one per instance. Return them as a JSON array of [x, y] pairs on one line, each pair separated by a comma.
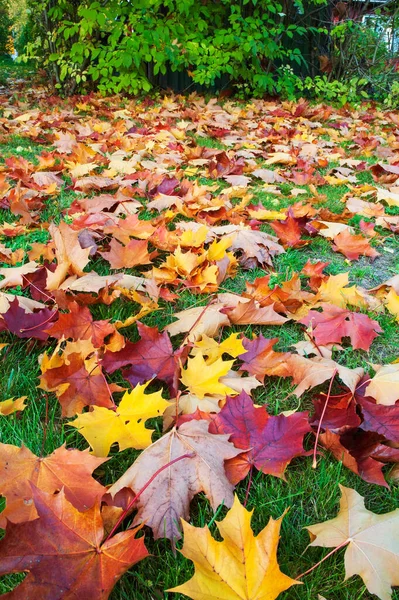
[[5, 28], [335, 92], [121, 46]]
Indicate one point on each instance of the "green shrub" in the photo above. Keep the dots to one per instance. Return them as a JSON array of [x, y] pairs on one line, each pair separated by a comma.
[[119, 46]]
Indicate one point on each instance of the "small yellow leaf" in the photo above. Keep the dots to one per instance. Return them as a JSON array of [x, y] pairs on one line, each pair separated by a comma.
[[210, 347], [7, 407], [393, 303], [202, 379], [103, 427], [217, 250], [335, 290]]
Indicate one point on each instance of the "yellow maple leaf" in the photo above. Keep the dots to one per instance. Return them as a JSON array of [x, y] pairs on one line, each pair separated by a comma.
[[102, 427], [7, 407], [217, 250], [194, 239], [241, 567], [210, 347], [335, 290], [393, 303], [202, 379]]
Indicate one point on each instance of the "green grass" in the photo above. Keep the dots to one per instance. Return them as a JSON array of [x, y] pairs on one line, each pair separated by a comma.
[[310, 494]]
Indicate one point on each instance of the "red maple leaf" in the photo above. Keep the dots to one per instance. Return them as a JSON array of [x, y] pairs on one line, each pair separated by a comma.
[[152, 356], [63, 553], [335, 323], [27, 325], [78, 324], [272, 441]]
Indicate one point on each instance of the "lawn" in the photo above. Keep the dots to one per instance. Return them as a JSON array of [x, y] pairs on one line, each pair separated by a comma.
[[164, 138]]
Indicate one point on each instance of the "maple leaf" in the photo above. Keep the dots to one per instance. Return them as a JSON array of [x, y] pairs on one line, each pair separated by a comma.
[[358, 451], [26, 324], [379, 418], [336, 291], [335, 323], [384, 386], [273, 440], [214, 350], [168, 497], [202, 378], [14, 276], [151, 357], [63, 554], [126, 425], [309, 372], [289, 232], [260, 359], [78, 324], [315, 273], [339, 415], [71, 257], [198, 321], [241, 566], [392, 303], [10, 406], [372, 542], [133, 254], [77, 383], [255, 248], [250, 313], [69, 470], [353, 246]]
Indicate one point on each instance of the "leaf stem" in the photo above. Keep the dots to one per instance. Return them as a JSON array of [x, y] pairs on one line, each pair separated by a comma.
[[145, 486], [323, 559], [314, 464], [248, 485], [211, 301]]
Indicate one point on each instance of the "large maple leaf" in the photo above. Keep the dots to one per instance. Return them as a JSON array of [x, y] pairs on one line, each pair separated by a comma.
[[240, 567], [335, 323], [372, 542], [27, 324], [151, 357], [310, 372], [353, 246], [358, 451], [273, 441], [78, 324], [69, 470], [76, 386], [63, 553], [168, 497], [260, 359]]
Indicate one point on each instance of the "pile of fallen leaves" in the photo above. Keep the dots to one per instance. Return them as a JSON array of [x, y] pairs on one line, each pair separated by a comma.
[[156, 213]]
